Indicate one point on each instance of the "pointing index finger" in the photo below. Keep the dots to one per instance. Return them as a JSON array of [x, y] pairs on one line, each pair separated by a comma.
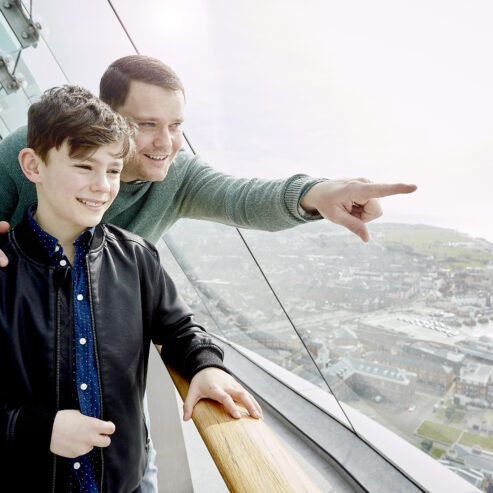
[[378, 190]]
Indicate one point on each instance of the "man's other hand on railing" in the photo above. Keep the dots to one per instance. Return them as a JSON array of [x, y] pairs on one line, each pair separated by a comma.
[[216, 384]]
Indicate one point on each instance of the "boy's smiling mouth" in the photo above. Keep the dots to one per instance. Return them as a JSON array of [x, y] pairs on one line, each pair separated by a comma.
[[92, 204]]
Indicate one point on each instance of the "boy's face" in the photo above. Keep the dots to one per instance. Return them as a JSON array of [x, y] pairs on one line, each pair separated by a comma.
[[74, 193]]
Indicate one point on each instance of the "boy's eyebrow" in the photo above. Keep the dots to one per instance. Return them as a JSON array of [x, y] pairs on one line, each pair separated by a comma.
[[92, 160]]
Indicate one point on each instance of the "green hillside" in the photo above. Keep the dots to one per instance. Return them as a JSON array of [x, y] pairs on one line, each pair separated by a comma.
[[455, 250]]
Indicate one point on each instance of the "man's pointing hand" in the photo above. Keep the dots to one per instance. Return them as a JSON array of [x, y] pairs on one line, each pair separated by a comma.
[[351, 203]]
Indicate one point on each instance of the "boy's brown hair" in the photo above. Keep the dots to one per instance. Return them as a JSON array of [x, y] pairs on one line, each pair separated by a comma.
[[74, 114], [115, 82]]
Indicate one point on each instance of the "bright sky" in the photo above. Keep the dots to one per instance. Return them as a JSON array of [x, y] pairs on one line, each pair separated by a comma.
[[389, 89]]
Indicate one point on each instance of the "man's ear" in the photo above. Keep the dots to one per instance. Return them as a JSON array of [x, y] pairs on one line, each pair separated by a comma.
[[30, 163]]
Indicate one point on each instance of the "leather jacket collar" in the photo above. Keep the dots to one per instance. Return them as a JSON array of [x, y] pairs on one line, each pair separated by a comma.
[[29, 243]]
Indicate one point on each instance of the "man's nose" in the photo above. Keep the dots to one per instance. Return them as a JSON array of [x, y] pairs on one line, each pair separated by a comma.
[[163, 139]]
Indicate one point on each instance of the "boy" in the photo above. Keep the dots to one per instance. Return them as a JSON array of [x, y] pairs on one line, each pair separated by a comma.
[[80, 303]]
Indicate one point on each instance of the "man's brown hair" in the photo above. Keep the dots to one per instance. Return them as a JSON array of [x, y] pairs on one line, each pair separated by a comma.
[[74, 114], [115, 82]]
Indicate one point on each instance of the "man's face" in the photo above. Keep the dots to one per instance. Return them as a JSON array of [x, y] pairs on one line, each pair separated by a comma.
[[74, 193], [159, 113]]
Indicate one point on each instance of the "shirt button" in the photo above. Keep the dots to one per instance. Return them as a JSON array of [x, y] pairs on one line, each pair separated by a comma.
[[63, 262], [83, 386], [80, 297], [76, 465], [57, 248], [82, 340]]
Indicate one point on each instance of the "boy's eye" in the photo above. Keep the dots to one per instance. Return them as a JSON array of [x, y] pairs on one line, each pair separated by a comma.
[[83, 166], [115, 171]]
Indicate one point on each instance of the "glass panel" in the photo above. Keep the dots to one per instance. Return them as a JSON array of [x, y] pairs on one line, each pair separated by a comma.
[[65, 53], [84, 38], [385, 90], [8, 40], [401, 327], [224, 287]]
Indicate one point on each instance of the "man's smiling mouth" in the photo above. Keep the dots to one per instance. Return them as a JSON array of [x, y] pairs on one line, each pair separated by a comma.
[[157, 157]]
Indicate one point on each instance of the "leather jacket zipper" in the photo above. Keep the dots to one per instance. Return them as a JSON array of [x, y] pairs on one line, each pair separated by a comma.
[[96, 356], [57, 369]]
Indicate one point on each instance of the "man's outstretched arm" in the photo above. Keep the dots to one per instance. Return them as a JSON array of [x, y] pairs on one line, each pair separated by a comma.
[[350, 203], [273, 205]]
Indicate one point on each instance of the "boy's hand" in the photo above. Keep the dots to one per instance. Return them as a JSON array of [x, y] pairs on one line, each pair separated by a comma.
[[75, 434], [216, 384], [4, 227]]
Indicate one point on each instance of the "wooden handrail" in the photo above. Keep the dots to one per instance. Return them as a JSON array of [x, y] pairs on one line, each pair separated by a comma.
[[247, 453]]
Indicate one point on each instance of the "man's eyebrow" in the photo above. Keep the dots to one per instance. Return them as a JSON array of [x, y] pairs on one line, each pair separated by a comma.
[[179, 119]]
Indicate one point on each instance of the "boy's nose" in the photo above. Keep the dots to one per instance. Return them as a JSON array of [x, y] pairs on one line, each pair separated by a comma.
[[101, 183]]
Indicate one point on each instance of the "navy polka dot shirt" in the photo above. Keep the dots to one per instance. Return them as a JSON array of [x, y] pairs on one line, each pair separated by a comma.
[[85, 469]]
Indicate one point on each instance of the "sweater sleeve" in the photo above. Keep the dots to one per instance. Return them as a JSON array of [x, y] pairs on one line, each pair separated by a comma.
[[270, 205], [12, 180]]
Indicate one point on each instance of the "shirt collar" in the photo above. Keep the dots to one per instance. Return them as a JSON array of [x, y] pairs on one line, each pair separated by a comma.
[[50, 242]]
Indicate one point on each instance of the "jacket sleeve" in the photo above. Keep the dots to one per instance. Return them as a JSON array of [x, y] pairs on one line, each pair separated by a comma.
[[185, 344], [25, 428], [270, 205], [28, 428]]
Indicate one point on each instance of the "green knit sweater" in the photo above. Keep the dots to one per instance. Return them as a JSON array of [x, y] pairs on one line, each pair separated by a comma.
[[191, 189]]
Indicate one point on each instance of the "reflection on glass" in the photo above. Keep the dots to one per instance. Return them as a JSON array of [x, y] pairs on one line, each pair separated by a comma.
[[399, 328], [236, 296], [405, 323]]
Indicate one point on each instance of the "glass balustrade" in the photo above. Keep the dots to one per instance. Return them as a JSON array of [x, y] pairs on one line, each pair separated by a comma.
[[399, 329]]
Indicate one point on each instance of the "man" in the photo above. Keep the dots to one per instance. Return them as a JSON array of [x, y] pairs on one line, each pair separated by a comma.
[[164, 183]]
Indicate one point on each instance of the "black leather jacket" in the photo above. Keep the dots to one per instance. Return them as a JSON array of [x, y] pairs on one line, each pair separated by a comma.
[[133, 302]]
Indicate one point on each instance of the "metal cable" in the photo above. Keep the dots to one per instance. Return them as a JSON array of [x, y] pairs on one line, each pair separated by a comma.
[[16, 62], [297, 332], [251, 254], [124, 28]]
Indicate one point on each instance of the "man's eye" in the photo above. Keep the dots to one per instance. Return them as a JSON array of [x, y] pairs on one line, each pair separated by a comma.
[[177, 125], [147, 124]]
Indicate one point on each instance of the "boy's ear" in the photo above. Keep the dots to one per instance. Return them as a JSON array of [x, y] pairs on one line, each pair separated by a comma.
[[30, 163]]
